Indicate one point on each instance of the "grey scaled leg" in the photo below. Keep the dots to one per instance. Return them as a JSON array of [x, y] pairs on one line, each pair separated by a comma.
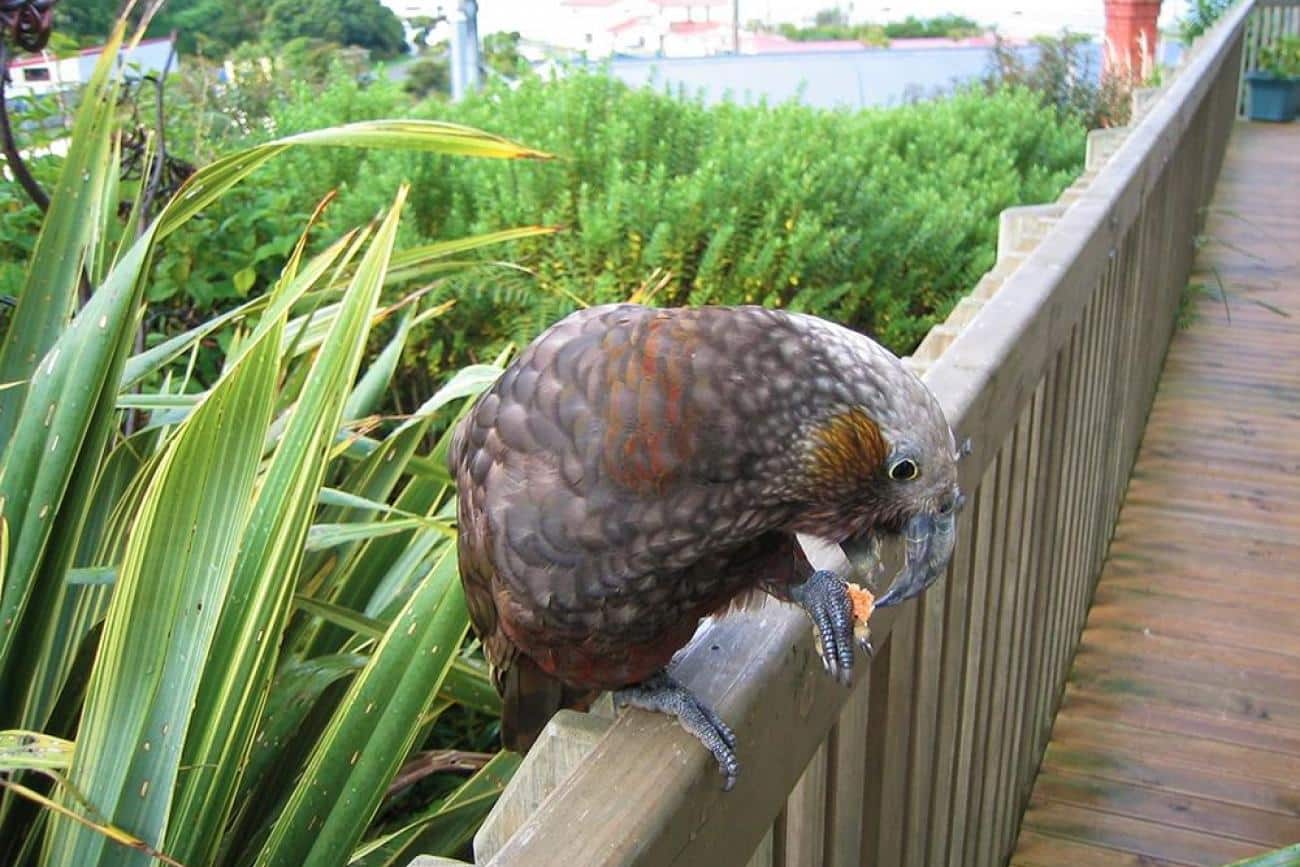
[[825, 597], [660, 692]]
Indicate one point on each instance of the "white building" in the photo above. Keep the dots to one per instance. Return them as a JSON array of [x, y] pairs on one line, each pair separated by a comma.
[[43, 73], [671, 28]]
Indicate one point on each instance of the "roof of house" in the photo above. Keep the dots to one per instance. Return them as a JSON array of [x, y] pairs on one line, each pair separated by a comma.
[[631, 24], [686, 28]]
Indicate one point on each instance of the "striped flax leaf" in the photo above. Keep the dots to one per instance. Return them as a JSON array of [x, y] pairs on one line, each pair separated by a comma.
[[445, 826], [238, 675], [172, 583], [373, 729], [369, 390], [52, 459], [272, 767], [68, 233], [322, 536]]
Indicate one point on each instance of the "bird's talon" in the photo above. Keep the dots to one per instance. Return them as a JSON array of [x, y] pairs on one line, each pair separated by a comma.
[[825, 597], [662, 693]]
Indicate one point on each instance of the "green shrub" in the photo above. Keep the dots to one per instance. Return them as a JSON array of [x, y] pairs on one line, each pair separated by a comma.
[[880, 219]]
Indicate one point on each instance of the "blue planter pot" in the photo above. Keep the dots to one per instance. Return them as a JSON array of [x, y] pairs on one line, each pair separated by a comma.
[[1272, 98]]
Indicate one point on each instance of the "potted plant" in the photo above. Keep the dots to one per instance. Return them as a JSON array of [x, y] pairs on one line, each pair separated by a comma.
[[1275, 85]]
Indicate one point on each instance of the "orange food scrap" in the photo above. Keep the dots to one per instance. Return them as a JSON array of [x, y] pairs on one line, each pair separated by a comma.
[[863, 602]]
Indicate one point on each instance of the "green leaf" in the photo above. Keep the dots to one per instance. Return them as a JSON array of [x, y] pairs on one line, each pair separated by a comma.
[[236, 681], [34, 751], [367, 393], [367, 627], [243, 280], [445, 826], [68, 234], [1287, 856], [335, 497], [206, 186], [173, 581], [92, 575], [372, 731], [322, 536], [52, 459]]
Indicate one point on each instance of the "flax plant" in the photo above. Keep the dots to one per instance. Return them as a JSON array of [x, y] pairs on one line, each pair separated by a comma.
[[223, 633]]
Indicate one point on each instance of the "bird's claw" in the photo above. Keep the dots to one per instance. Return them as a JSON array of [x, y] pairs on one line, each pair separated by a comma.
[[825, 597], [660, 692]]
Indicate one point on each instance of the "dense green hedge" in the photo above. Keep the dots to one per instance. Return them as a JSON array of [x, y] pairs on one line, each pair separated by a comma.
[[880, 219]]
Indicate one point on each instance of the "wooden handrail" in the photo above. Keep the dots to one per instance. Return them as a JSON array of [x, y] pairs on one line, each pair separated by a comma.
[[928, 760]]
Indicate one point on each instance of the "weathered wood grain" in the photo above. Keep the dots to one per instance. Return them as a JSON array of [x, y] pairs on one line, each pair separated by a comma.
[[1178, 740]]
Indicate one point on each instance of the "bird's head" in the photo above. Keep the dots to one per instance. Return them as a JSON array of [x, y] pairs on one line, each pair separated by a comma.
[[884, 462]]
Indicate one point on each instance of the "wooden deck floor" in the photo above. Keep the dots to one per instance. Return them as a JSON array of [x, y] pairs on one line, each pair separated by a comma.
[[1178, 740]]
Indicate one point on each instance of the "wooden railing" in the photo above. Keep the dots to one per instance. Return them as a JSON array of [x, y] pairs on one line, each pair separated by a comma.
[[1271, 20], [1050, 368]]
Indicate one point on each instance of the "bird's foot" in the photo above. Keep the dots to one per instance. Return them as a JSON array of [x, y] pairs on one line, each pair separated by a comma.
[[660, 692], [825, 597]]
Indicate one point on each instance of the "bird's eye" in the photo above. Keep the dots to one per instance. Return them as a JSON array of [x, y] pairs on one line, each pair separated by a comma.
[[904, 470]]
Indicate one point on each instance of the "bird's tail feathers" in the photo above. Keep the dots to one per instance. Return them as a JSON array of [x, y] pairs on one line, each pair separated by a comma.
[[529, 698]]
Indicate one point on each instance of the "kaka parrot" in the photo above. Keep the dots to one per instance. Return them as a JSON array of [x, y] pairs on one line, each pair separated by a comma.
[[637, 469]]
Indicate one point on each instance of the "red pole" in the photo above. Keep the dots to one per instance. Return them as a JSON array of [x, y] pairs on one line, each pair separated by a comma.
[[1130, 36]]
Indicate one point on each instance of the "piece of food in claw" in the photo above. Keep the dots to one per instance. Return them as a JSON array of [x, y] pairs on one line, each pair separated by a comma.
[[863, 604]]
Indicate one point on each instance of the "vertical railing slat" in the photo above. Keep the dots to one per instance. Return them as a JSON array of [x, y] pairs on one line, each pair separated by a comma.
[[1020, 530], [805, 815], [951, 691], [1035, 605], [847, 778], [925, 712], [1003, 578], [977, 532]]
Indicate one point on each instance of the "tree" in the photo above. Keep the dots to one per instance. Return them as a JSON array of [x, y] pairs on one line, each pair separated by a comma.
[[501, 54], [88, 20], [212, 28], [209, 27], [831, 18], [366, 23]]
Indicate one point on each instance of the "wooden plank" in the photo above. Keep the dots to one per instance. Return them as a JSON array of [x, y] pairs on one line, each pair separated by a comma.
[[1149, 839], [1048, 576], [896, 737], [1216, 756], [847, 777], [1118, 763], [995, 680], [970, 757], [1073, 478], [925, 699], [1202, 662], [1040, 850], [1139, 609], [951, 682], [1006, 575], [874, 792], [805, 816], [1019, 758], [1267, 830], [1185, 693], [1142, 709], [764, 855]]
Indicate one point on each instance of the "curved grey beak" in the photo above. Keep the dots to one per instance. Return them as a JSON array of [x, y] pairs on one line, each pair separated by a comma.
[[929, 539]]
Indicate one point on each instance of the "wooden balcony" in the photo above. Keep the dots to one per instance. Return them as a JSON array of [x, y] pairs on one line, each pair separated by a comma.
[[1178, 738]]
